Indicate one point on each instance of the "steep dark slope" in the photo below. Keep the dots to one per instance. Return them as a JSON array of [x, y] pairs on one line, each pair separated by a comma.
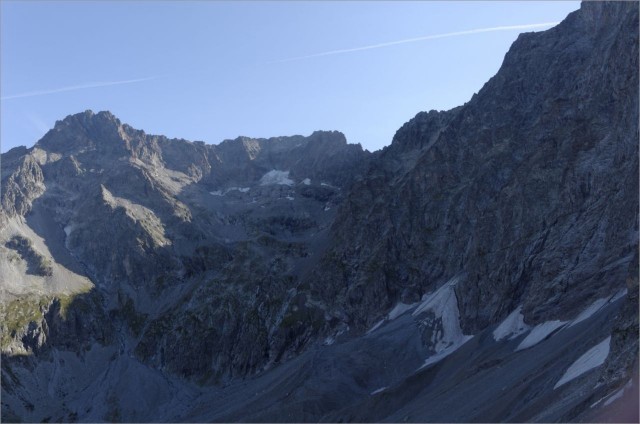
[[529, 192]]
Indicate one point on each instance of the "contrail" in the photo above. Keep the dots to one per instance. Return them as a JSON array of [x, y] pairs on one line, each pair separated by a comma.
[[74, 88], [427, 37]]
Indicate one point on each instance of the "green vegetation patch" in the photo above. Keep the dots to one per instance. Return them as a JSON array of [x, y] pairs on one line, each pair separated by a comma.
[[16, 314]]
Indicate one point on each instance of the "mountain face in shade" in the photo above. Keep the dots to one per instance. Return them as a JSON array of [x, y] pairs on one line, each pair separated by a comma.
[[483, 267]]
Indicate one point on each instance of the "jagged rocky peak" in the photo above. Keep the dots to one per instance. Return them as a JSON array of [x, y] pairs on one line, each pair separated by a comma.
[[239, 148], [334, 143], [82, 131], [323, 156], [420, 131], [329, 138], [252, 148], [88, 119]]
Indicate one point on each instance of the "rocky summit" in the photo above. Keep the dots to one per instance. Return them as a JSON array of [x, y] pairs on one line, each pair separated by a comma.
[[482, 267]]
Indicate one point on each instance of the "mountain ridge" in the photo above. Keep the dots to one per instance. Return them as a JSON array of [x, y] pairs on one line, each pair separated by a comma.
[[306, 279]]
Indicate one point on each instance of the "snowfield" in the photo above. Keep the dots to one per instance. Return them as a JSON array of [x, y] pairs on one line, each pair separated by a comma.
[[539, 333], [222, 193], [591, 359], [588, 313], [276, 177], [443, 304], [512, 326], [400, 309]]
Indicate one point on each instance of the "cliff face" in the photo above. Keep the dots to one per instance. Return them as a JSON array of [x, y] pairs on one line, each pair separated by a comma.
[[485, 251], [528, 192]]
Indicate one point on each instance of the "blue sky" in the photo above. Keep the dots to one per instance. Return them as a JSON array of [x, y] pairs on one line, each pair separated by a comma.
[[212, 70]]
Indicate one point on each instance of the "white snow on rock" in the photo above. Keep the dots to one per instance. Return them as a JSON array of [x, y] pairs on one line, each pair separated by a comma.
[[609, 399], [400, 309], [618, 295], [222, 193], [615, 396], [597, 402], [539, 333], [289, 198], [306, 181], [512, 326], [446, 352], [443, 303], [588, 313], [438, 301], [330, 186], [397, 310], [591, 359], [276, 177], [376, 326], [68, 229], [381, 389]]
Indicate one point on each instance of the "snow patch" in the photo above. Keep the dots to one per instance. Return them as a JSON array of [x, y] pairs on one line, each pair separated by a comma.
[[612, 397], [399, 309], [306, 181], [276, 177], [330, 186], [376, 326], [512, 326], [438, 300], [616, 395], [539, 333], [597, 402], [587, 313], [222, 193], [329, 341], [622, 293], [289, 198], [68, 229], [446, 352], [443, 304], [326, 208], [591, 359], [380, 390]]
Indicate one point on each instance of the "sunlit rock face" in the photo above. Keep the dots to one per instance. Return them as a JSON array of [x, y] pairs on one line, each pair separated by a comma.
[[483, 267]]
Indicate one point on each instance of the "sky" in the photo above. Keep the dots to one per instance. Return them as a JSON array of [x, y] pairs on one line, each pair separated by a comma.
[[215, 70]]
